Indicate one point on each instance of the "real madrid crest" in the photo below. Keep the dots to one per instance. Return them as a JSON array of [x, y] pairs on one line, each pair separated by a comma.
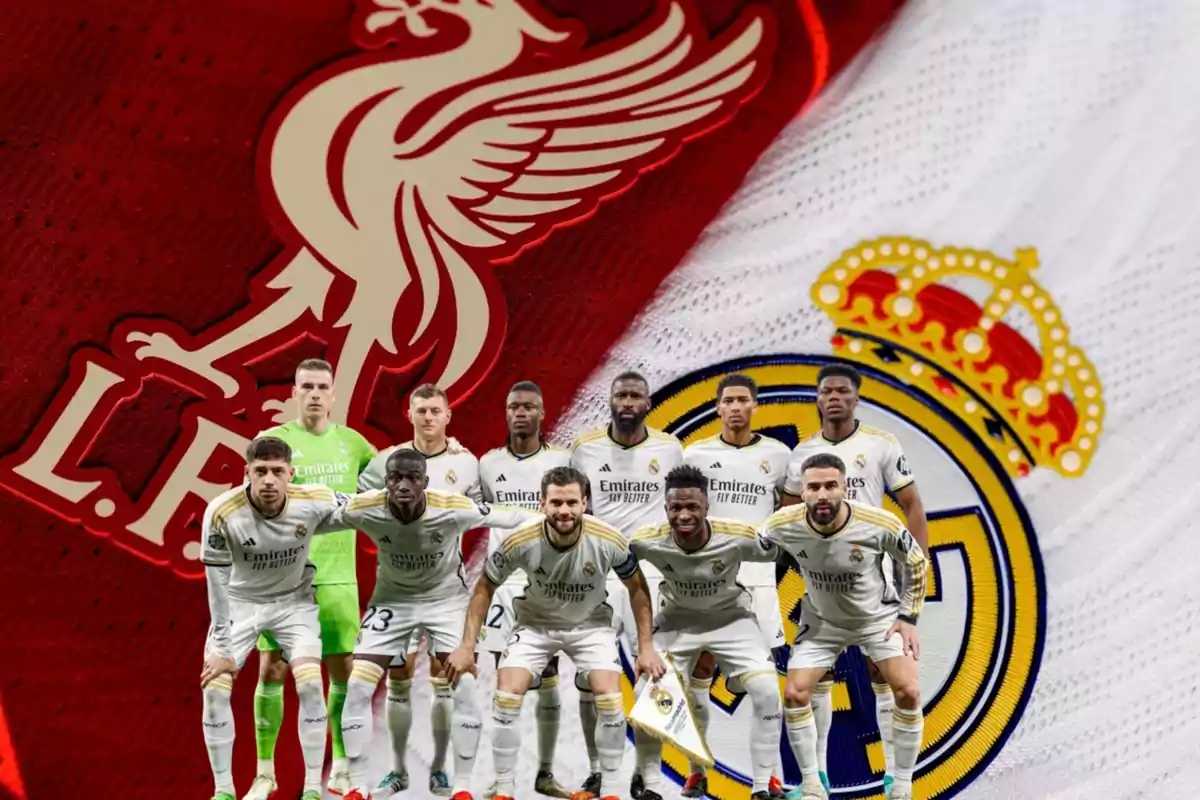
[[856, 555], [589, 569], [860, 461], [764, 467], [451, 477], [301, 531], [718, 566], [654, 466], [437, 537], [662, 698]]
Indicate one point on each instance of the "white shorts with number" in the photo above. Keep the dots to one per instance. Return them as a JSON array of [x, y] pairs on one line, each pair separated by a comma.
[[589, 648], [393, 627], [733, 637], [765, 600], [818, 643], [292, 621], [500, 617], [626, 625]]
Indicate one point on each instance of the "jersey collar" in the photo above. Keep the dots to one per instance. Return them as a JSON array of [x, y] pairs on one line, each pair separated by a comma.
[[542, 446], [834, 533], [609, 431], [254, 508], [755, 439], [857, 425]]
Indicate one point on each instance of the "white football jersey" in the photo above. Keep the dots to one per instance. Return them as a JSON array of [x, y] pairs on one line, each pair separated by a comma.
[[705, 580], [875, 464], [268, 556], [844, 578], [565, 588], [513, 480], [627, 483], [744, 482], [422, 559], [448, 472]]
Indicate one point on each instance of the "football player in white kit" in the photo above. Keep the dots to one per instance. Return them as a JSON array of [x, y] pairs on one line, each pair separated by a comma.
[[875, 464], [254, 545], [450, 468], [849, 601], [419, 588], [746, 473], [512, 476], [625, 463], [566, 555], [706, 610]]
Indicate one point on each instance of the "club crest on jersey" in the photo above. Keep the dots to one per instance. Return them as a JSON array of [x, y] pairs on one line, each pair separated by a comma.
[[217, 542], [436, 537], [589, 569], [451, 477], [718, 566], [654, 467], [301, 531], [764, 467], [975, 405], [415, 126]]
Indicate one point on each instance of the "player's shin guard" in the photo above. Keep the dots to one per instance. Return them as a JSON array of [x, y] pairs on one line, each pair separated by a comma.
[[908, 724], [356, 717], [441, 712], [702, 705], [218, 731], [506, 740], [313, 721], [885, 701], [610, 740], [268, 719], [822, 706], [802, 736], [587, 719], [548, 712], [468, 726], [337, 701], [763, 688], [399, 719]]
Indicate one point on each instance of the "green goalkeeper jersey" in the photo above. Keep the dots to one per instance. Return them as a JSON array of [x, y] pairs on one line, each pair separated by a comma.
[[334, 458]]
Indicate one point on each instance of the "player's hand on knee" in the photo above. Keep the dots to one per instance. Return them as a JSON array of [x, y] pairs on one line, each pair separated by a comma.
[[908, 633], [459, 663], [648, 663], [215, 665]]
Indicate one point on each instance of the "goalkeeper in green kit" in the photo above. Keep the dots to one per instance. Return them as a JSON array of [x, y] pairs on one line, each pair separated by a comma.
[[322, 452]]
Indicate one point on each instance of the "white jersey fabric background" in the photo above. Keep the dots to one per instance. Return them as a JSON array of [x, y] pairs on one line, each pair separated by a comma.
[[1072, 126]]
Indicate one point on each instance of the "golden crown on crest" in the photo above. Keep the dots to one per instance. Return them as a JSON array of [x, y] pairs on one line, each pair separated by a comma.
[[902, 306]]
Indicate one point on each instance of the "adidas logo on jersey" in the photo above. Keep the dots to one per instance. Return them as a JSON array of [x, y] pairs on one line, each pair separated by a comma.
[[501, 479], [250, 543], [668, 568], [386, 539], [539, 571], [715, 465], [606, 468], [297, 454]]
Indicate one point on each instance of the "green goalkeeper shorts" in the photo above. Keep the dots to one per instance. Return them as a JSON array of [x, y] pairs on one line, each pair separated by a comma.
[[337, 609]]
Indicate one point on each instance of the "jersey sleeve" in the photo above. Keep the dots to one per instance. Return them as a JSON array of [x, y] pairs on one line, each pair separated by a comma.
[[487, 516], [793, 480], [904, 550], [331, 513], [365, 451], [758, 548], [475, 490], [216, 545], [625, 563], [896, 473], [372, 475], [499, 565]]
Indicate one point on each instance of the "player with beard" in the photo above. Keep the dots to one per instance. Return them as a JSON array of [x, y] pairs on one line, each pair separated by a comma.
[[419, 589], [746, 472], [512, 475], [450, 468], [254, 546], [706, 610], [875, 465], [849, 602], [566, 555], [334, 455], [626, 464]]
